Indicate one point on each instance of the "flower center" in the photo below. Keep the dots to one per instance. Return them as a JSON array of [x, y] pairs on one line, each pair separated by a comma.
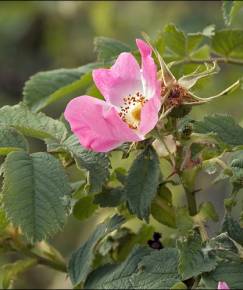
[[130, 112], [177, 95]]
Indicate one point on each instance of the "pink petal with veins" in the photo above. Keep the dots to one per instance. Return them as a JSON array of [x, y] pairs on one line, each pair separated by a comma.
[[97, 124], [149, 70], [123, 78]]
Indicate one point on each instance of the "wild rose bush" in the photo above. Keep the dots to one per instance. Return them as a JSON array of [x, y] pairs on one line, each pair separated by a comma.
[[136, 102]]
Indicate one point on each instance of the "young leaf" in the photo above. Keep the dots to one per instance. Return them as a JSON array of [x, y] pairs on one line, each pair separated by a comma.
[[30, 124], [34, 186], [142, 182], [178, 44], [80, 263], [84, 207], [45, 88], [193, 41], [96, 163], [158, 270], [193, 260], [11, 140], [228, 43], [224, 126], [175, 40], [108, 48], [117, 276]]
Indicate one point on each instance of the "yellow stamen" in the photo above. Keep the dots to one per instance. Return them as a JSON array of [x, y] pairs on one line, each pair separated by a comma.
[[131, 110], [136, 112]]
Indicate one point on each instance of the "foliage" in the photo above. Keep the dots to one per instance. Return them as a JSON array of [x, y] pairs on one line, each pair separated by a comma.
[[41, 189]]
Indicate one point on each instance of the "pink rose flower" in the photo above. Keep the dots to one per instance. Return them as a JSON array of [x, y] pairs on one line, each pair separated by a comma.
[[223, 286], [131, 106]]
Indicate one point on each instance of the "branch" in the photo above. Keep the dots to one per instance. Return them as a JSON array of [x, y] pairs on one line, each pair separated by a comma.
[[46, 262], [17, 245], [213, 59]]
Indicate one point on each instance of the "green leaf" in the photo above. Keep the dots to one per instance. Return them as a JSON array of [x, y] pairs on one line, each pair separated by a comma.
[[178, 44], [117, 276], [45, 88], [34, 186], [202, 53], [108, 49], [158, 270], [110, 197], [81, 261], [9, 272], [207, 211], [224, 248], [11, 140], [3, 219], [237, 173], [84, 208], [230, 9], [175, 40], [233, 228], [228, 43], [30, 124], [126, 240], [193, 260], [97, 164], [224, 126], [142, 182], [193, 41], [230, 272], [184, 221], [162, 208]]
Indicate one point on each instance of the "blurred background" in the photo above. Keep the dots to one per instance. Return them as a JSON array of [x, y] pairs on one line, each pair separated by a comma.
[[44, 35]]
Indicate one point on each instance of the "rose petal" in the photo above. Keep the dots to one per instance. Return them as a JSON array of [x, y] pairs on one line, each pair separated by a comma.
[[149, 115], [123, 78], [97, 124], [223, 286], [149, 70]]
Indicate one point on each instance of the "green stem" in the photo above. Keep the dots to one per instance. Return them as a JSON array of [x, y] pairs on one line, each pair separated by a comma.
[[56, 266], [191, 201], [17, 245], [46, 262]]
